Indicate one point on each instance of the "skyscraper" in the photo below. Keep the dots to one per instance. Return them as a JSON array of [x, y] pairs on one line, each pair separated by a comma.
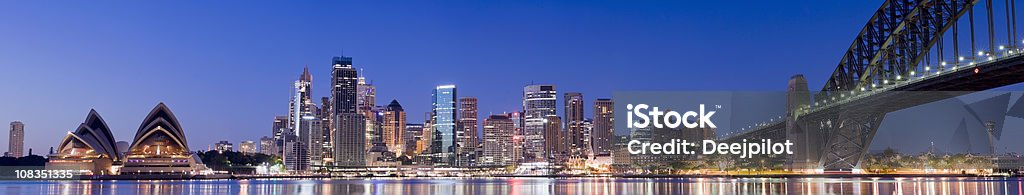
[[304, 125], [604, 123], [554, 147], [466, 133], [443, 148], [499, 132], [414, 139], [326, 131], [575, 134], [16, 145], [345, 80], [279, 128], [517, 135], [366, 98], [538, 103], [394, 127], [350, 126]]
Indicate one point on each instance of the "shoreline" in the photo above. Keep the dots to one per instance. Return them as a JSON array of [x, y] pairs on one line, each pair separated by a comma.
[[770, 176]]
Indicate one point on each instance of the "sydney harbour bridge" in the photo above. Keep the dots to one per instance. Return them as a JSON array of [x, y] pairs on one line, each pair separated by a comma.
[[910, 52]]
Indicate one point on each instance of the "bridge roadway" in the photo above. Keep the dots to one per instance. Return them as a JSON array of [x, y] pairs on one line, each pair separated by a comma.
[[834, 135]]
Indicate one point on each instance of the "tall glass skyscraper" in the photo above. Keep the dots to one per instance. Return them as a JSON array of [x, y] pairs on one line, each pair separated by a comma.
[[578, 143], [443, 148], [538, 103], [303, 124], [604, 131], [466, 132], [350, 126]]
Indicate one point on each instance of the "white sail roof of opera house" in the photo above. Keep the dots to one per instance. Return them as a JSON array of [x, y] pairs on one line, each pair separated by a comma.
[[92, 134], [162, 125]]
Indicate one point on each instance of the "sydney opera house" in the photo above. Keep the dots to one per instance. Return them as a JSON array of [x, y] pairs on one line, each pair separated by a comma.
[[159, 148]]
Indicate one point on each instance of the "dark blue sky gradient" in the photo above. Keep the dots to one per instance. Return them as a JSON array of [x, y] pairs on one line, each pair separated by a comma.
[[226, 67]]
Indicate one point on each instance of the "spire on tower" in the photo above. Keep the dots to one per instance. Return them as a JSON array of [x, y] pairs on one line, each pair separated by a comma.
[[305, 75]]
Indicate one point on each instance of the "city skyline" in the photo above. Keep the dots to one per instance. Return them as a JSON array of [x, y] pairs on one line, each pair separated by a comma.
[[228, 81]]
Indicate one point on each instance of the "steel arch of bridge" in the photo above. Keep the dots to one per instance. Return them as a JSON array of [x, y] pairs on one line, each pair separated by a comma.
[[893, 42]]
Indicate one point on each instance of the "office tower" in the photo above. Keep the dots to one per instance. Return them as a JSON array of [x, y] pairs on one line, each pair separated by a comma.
[[466, 133], [443, 148], [604, 126], [366, 98], [394, 127], [413, 139], [349, 125], [326, 131], [538, 103], [279, 129], [499, 134], [16, 140], [554, 147], [248, 147], [311, 138], [223, 146], [267, 146], [304, 125], [578, 147], [517, 135], [296, 157]]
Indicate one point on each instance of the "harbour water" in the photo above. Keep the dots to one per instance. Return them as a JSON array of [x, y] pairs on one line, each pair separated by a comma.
[[503, 185]]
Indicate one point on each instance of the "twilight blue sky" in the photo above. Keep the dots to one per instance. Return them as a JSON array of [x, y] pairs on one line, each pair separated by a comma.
[[226, 67]]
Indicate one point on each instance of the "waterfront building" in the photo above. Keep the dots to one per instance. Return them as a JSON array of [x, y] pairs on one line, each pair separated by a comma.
[[466, 132], [517, 135], [604, 126], [247, 146], [644, 135], [223, 146], [443, 147], [160, 147], [279, 128], [90, 149], [554, 147], [575, 135], [621, 158], [16, 141], [349, 138], [538, 104], [267, 146], [498, 141]]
